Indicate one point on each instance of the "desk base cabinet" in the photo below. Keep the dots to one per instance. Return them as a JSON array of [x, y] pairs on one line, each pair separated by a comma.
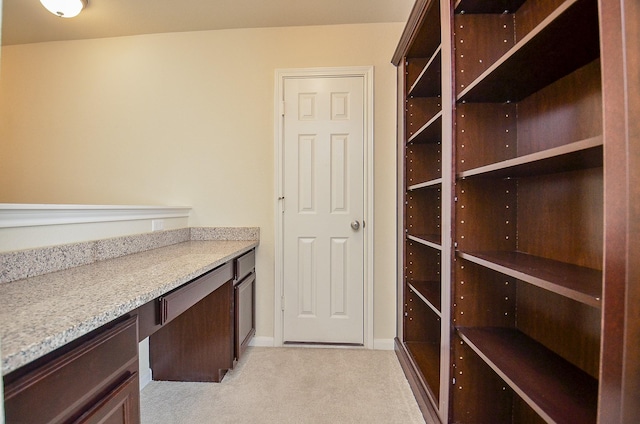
[[94, 380], [198, 344]]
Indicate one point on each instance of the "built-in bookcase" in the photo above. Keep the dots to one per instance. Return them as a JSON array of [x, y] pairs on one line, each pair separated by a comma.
[[504, 224]]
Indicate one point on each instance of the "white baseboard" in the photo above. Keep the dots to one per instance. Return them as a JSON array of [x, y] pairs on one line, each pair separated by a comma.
[[383, 344], [261, 341], [145, 378]]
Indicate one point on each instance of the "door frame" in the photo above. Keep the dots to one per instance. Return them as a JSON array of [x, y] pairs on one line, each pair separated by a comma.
[[366, 72]]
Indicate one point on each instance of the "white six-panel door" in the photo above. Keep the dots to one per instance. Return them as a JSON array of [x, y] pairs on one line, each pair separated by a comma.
[[323, 255]]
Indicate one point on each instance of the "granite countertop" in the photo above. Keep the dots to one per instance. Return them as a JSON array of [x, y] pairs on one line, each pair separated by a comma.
[[41, 313]]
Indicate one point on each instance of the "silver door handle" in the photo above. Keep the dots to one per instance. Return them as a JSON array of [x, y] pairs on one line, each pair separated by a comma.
[[355, 225]]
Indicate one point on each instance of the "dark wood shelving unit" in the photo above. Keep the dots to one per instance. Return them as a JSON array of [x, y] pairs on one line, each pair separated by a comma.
[[429, 292], [487, 6], [564, 41], [432, 240], [428, 82], [430, 132], [515, 155], [574, 282], [426, 184], [582, 154], [424, 332], [557, 390], [423, 356]]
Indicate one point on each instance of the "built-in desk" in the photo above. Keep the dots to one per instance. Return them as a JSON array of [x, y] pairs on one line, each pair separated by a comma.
[[83, 324]]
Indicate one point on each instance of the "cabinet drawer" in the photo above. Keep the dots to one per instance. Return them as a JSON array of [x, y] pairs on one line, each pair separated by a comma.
[[181, 299], [62, 389], [245, 264]]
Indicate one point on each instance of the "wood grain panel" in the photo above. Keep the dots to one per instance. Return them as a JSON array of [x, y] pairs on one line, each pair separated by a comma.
[[421, 322], [577, 339], [198, 344], [478, 394], [422, 263], [423, 163], [480, 40], [574, 199], [531, 13], [568, 110], [483, 297], [485, 133], [424, 211], [486, 214], [419, 110]]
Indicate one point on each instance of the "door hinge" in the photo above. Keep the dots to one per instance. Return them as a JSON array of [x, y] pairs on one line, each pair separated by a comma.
[[282, 108], [281, 198], [282, 302]]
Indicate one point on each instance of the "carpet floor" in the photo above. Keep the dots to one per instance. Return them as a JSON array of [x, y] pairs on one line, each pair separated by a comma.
[[291, 385]]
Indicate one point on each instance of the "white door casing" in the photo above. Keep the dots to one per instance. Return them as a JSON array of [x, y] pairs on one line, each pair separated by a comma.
[[324, 286]]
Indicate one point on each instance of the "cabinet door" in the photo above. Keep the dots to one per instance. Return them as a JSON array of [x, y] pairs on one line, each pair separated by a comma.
[[245, 314], [118, 407]]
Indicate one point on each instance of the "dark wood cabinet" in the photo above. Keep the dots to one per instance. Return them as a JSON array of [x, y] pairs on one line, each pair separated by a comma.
[[245, 302], [92, 380], [517, 301], [195, 341], [245, 321]]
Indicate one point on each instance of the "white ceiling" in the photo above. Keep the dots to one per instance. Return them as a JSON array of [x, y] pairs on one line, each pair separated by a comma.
[[26, 21]]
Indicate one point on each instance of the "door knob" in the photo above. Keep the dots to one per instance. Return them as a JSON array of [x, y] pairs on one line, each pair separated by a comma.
[[355, 225]]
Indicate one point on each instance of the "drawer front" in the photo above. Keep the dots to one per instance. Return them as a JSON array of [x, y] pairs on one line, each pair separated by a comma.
[[245, 264], [181, 299], [64, 388]]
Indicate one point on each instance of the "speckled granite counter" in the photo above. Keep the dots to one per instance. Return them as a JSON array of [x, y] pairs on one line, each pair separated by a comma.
[[41, 313]]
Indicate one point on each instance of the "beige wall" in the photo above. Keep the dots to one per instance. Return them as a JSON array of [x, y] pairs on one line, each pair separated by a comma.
[[185, 119]]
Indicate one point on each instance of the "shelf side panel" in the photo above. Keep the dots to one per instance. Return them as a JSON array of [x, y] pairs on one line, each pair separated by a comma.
[[424, 211], [477, 122], [422, 263], [482, 297], [419, 110], [486, 214], [424, 163], [478, 394], [480, 40]]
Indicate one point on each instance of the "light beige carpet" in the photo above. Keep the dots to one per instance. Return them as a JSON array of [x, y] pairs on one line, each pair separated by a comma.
[[291, 385]]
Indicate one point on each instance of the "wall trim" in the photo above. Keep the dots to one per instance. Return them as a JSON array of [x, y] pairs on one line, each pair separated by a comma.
[[31, 215], [384, 344], [261, 341]]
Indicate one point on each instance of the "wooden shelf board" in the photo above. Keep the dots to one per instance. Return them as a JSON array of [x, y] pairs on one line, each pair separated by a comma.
[[431, 132], [581, 284], [428, 83], [426, 359], [426, 184], [556, 389], [581, 154], [429, 292], [487, 6], [432, 240], [565, 41]]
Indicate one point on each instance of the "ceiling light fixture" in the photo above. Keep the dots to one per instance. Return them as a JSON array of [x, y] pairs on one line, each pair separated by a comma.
[[64, 8]]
